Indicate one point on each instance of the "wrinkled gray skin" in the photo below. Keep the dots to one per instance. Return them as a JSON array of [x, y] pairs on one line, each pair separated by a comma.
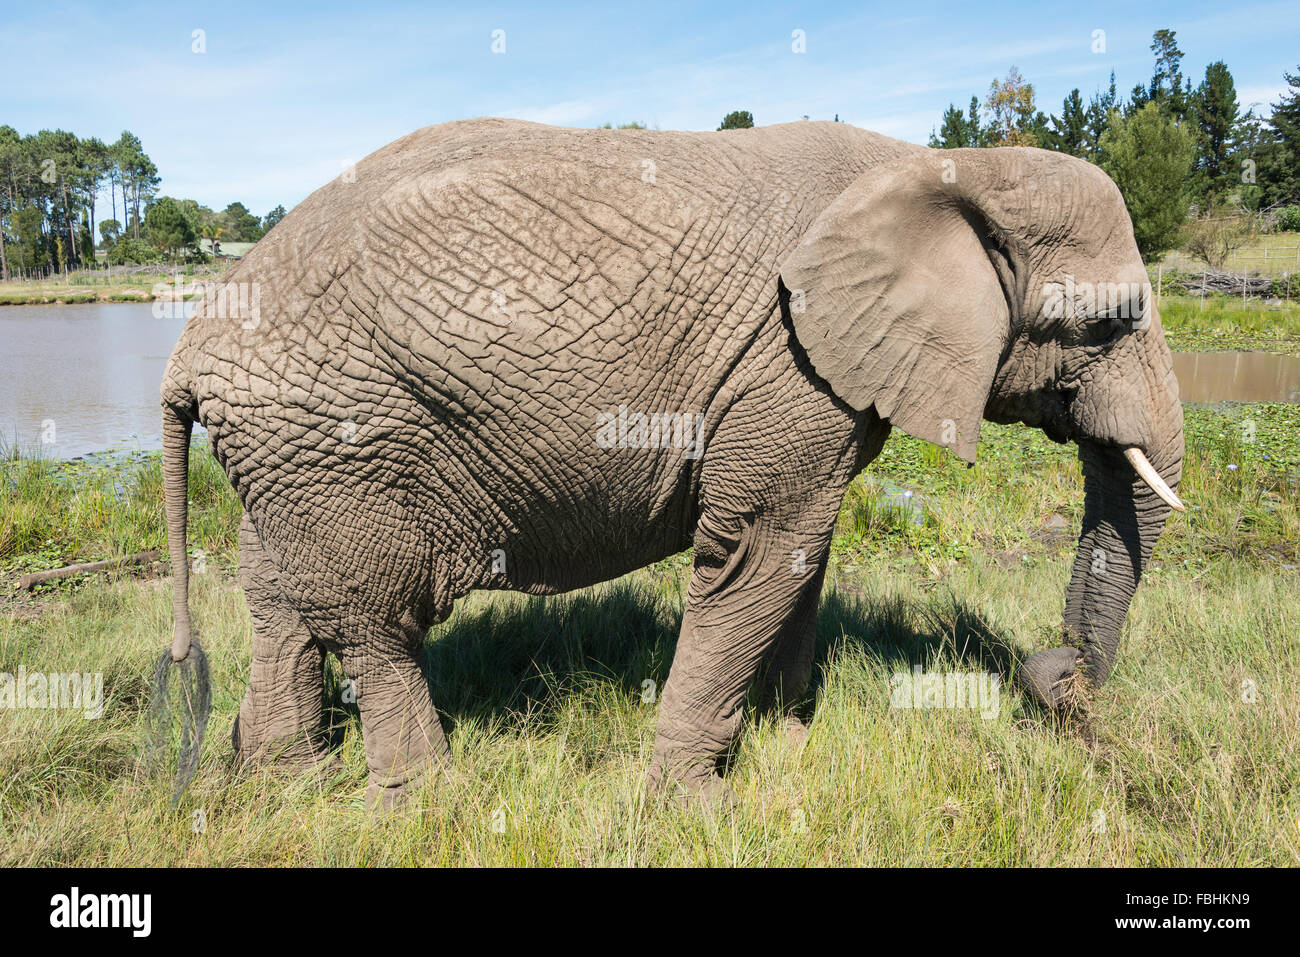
[[412, 410]]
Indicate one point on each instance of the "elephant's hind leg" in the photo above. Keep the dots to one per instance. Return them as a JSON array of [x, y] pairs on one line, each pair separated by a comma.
[[403, 737], [282, 714]]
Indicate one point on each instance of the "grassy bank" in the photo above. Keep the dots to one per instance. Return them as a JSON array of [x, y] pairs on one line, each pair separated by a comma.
[[1220, 323], [1190, 755], [86, 286]]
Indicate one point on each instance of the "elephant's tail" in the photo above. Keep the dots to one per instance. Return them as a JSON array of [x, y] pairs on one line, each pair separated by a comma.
[[177, 427], [185, 653]]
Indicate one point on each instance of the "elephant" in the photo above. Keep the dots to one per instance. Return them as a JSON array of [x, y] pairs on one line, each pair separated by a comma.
[[502, 355]]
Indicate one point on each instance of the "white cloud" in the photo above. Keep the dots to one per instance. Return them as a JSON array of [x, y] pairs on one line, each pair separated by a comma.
[[1262, 95]]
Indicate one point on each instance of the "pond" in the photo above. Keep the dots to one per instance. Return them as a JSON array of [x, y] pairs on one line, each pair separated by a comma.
[[1237, 377], [81, 379]]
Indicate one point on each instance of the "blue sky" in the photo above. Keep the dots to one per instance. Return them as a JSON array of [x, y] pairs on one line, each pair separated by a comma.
[[288, 94]]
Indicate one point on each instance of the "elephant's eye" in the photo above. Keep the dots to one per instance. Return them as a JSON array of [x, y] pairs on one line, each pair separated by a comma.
[[1126, 307], [1102, 329]]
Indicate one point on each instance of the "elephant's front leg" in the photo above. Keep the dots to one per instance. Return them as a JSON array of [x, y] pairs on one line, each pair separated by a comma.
[[789, 670], [751, 575]]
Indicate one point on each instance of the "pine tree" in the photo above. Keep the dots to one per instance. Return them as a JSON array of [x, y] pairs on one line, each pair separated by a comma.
[[1070, 130], [737, 120], [958, 129], [1168, 88], [1279, 165], [976, 133], [1100, 108], [1149, 156], [1214, 106]]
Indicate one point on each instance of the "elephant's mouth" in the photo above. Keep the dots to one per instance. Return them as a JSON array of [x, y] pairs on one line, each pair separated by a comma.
[[1058, 431], [1059, 428]]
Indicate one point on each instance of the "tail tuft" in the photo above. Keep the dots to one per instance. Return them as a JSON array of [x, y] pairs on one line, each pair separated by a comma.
[[195, 693]]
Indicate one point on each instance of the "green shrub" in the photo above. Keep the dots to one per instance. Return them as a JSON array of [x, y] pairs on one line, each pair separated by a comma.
[[1288, 219], [133, 251]]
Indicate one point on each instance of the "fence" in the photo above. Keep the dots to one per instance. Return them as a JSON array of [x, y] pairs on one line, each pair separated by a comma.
[[1274, 260]]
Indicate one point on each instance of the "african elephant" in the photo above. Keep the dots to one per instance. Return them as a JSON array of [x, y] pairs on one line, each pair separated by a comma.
[[501, 355]]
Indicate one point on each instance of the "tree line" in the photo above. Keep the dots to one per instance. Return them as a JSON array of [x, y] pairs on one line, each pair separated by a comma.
[[1188, 160], [49, 183]]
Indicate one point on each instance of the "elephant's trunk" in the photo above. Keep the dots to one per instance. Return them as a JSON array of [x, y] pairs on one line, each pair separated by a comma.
[[1123, 518]]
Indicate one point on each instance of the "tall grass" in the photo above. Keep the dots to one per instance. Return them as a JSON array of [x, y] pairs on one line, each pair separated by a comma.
[[1229, 316], [1190, 755], [56, 513]]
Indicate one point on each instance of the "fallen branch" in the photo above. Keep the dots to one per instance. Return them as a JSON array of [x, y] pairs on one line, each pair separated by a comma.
[[87, 568]]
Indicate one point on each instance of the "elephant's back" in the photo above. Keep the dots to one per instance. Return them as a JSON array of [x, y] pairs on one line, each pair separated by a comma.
[[499, 258], [518, 251], [455, 192], [332, 226]]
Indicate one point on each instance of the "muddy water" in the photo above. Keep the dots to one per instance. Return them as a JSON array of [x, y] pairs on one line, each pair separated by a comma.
[[1237, 377]]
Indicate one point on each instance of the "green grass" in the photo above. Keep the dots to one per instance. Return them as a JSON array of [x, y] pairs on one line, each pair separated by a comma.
[[1226, 323], [95, 285], [548, 727], [1190, 755], [60, 513], [65, 295]]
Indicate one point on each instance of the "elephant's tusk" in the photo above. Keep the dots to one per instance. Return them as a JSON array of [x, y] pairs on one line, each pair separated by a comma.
[[1146, 471]]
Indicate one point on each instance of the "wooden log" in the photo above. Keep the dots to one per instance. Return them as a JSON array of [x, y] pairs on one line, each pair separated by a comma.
[[1222, 283], [86, 568]]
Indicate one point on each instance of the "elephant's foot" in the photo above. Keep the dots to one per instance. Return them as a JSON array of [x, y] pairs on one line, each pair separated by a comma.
[[796, 731], [695, 784], [389, 793], [1050, 676], [298, 749]]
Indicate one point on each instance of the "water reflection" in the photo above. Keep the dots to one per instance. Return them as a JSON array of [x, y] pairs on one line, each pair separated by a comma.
[[1237, 377]]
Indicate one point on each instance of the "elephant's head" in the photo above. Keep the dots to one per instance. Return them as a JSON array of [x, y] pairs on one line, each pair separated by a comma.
[[1006, 284]]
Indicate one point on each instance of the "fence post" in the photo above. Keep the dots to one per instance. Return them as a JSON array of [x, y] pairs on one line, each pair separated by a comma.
[[1203, 277], [1160, 282]]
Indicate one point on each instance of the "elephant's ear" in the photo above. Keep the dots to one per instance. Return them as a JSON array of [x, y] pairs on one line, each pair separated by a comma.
[[899, 295]]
